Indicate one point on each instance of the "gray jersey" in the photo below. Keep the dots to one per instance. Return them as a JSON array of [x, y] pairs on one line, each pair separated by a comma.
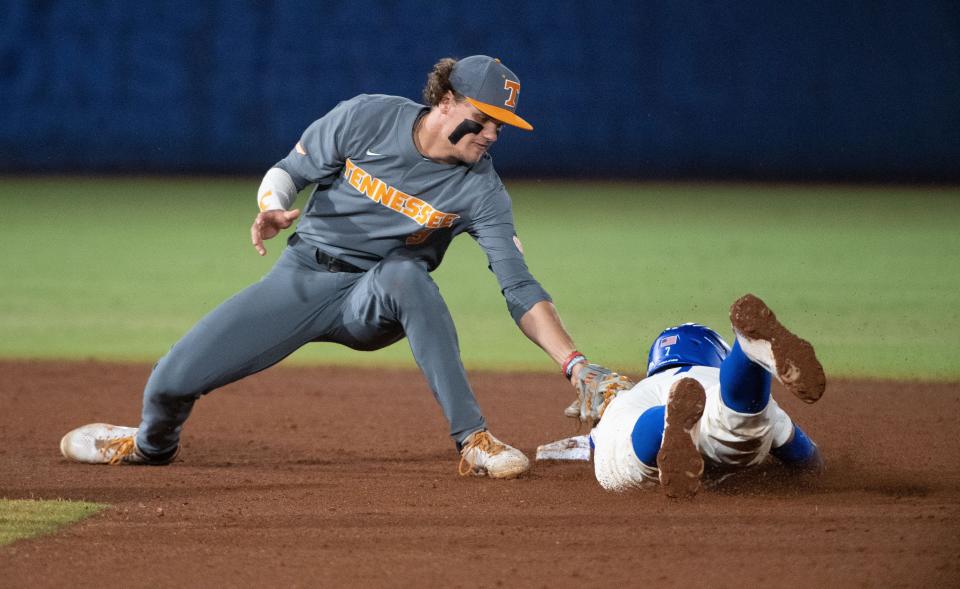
[[376, 193]]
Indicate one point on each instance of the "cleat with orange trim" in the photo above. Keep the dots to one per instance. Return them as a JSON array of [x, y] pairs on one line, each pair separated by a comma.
[[102, 443], [485, 455]]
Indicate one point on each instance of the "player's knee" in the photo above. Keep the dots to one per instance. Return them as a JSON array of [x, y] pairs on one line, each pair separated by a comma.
[[407, 278], [171, 380], [647, 434]]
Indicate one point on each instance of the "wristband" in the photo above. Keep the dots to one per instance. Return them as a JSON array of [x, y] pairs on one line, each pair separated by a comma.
[[572, 360]]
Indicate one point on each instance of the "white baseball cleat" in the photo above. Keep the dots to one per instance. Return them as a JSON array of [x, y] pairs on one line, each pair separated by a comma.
[[485, 455], [679, 461], [102, 443], [767, 342]]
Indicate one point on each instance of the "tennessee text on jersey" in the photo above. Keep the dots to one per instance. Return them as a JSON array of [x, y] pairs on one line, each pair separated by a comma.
[[378, 191]]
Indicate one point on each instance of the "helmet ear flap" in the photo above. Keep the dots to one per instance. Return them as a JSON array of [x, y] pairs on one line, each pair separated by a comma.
[[690, 344]]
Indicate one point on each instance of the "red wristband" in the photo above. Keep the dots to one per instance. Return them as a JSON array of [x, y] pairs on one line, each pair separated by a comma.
[[572, 360]]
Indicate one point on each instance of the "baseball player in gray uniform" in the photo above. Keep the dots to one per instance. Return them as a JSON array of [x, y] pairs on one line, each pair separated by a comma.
[[396, 181]]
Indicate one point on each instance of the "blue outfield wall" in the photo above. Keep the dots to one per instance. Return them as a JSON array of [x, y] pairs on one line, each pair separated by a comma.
[[814, 90]]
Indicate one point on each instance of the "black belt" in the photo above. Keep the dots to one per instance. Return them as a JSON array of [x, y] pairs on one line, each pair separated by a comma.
[[334, 265]]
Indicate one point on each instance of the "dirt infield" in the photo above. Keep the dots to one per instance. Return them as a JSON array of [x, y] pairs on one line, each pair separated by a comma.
[[306, 477]]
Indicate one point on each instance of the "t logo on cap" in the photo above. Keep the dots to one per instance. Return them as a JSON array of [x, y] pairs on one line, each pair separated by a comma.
[[514, 88]]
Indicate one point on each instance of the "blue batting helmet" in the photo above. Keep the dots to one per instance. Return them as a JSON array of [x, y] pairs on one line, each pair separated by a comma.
[[690, 344]]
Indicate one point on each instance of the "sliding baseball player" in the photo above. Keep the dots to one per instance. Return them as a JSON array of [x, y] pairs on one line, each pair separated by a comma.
[[702, 403]]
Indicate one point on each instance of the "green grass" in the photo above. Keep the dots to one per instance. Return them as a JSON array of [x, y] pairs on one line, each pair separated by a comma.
[[120, 268], [21, 518]]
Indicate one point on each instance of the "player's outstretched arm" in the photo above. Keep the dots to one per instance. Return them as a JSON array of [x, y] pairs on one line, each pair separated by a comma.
[[542, 325], [595, 384], [268, 224]]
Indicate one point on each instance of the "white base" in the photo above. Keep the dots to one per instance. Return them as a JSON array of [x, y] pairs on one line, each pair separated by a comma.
[[575, 448]]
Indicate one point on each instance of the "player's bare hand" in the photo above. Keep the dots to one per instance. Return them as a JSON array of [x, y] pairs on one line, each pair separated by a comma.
[[268, 224]]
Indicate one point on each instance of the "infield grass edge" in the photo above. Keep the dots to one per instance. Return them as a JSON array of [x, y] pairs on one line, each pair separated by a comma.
[[21, 519]]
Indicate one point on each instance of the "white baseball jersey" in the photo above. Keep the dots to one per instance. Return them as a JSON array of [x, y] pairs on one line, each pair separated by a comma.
[[723, 436]]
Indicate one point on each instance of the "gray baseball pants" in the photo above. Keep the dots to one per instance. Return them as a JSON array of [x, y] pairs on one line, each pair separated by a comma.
[[298, 302]]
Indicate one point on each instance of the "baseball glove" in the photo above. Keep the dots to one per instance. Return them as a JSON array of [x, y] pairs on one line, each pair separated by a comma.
[[596, 387]]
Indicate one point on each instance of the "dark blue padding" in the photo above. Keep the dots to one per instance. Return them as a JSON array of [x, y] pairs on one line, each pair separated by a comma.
[[221, 112], [744, 385], [647, 434], [799, 450]]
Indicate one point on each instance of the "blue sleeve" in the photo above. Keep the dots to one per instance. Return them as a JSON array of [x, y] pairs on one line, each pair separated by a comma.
[[494, 230], [799, 451]]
